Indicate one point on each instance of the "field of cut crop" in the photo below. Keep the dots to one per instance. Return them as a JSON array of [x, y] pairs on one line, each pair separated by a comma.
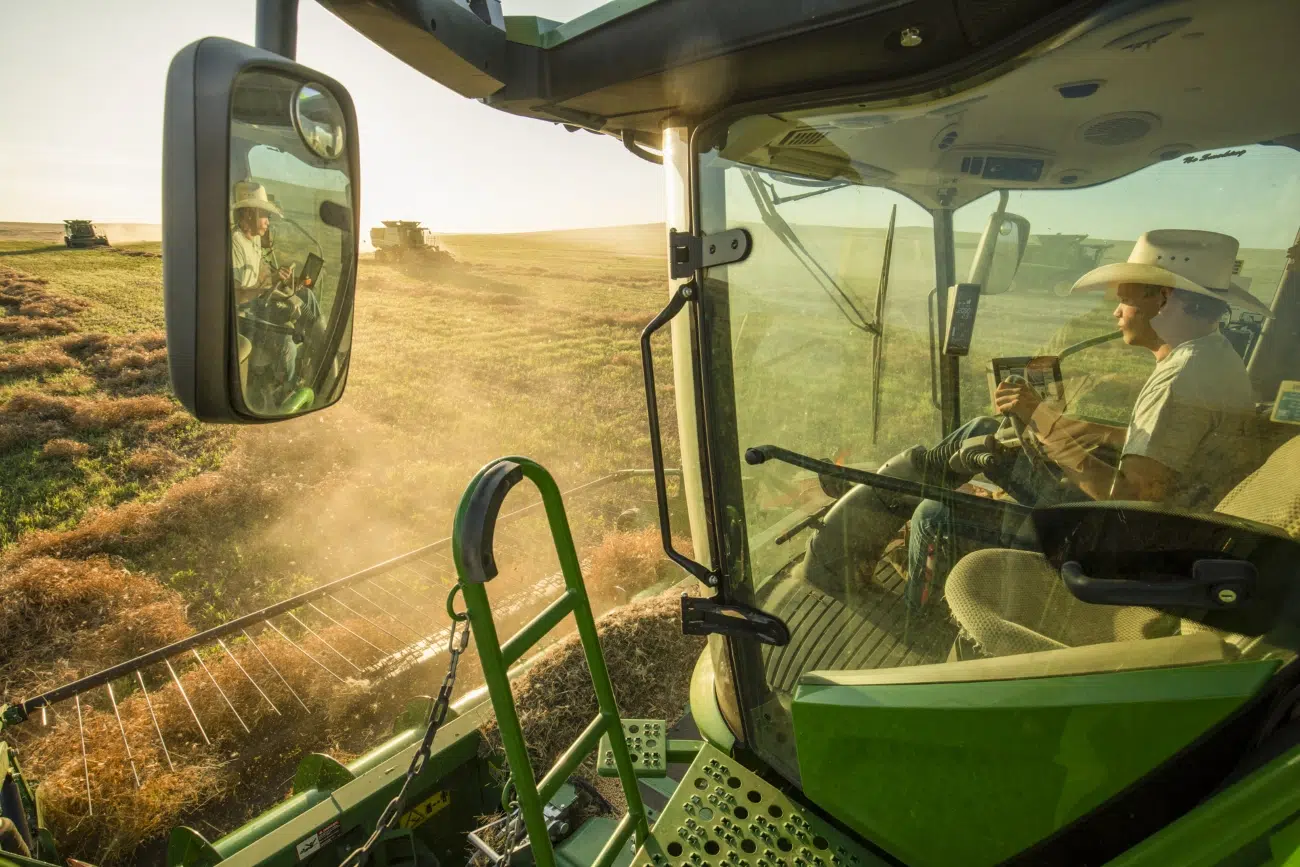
[[125, 525]]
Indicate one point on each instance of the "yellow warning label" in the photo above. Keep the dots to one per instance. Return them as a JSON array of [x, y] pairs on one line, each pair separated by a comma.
[[426, 810]]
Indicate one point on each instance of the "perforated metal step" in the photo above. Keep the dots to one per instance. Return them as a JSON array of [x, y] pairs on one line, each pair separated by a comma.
[[722, 815], [647, 745]]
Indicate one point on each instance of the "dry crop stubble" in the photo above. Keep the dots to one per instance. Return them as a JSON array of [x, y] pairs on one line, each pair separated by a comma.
[[448, 373]]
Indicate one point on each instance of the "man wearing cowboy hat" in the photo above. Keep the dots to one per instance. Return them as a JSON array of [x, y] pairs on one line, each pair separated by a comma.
[[1187, 443], [252, 210], [1188, 440], [267, 360]]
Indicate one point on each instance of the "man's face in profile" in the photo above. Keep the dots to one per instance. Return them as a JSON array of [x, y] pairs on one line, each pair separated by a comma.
[[253, 222], [1138, 305]]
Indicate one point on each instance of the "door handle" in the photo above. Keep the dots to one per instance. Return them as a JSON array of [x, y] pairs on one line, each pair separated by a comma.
[[1213, 584]]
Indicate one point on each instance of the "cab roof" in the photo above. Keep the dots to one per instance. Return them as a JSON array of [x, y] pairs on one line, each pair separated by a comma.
[[626, 67]]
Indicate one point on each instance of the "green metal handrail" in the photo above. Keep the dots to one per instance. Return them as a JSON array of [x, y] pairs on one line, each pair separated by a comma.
[[471, 550]]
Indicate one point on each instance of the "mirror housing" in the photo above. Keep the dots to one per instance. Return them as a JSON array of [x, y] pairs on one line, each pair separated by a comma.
[[1000, 251], [207, 338]]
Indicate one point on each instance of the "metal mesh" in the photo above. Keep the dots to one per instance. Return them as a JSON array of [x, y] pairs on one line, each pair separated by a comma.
[[1270, 495]]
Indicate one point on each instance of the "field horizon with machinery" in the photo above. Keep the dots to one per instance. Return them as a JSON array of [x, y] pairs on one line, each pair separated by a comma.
[[125, 524]]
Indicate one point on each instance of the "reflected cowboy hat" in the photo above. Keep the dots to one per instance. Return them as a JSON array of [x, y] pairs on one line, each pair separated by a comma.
[[1188, 259], [250, 194]]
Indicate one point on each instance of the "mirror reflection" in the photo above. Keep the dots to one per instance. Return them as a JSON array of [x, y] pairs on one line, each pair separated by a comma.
[[1006, 257], [291, 245], [319, 120]]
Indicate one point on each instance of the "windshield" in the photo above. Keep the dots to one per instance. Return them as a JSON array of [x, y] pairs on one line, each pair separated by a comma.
[[1051, 380]]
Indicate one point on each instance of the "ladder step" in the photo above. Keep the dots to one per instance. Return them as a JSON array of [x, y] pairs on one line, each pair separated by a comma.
[[573, 756], [523, 640]]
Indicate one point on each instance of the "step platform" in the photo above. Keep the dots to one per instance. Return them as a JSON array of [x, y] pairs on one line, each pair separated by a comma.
[[723, 815]]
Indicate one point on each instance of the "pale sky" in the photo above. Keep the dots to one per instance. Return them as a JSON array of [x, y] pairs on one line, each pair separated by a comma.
[[81, 124]]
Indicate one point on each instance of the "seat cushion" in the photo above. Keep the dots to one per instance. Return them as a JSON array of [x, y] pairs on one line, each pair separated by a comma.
[[1010, 602], [1271, 494]]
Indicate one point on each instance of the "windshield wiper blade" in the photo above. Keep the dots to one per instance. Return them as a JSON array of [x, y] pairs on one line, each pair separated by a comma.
[[756, 455], [842, 300], [878, 348]]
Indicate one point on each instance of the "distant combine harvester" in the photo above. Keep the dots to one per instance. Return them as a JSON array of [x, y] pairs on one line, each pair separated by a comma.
[[406, 241], [82, 233]]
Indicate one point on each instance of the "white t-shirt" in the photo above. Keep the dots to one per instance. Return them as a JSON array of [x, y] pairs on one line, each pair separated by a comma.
[[1193, 416], [245, 259]]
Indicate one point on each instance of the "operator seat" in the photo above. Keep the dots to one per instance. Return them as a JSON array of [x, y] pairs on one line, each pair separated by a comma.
[[1009, 602]]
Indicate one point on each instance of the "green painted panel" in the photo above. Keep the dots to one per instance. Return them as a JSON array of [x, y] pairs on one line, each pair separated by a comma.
[[971, 773], [704, 705], [1285, 845], [1239, 826], [581, 847]]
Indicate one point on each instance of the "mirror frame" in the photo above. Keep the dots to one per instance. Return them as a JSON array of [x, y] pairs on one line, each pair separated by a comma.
[[196, 221]]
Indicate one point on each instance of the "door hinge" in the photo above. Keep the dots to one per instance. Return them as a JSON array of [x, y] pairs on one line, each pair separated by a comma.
[[688, 253], [707, 617]]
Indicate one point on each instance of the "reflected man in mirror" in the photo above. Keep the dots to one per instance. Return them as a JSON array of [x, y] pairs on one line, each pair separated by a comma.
[[1189, 438], [270, 307], [250, 249]]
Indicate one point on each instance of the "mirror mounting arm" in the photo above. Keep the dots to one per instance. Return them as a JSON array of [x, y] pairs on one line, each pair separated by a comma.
[[277, 27]]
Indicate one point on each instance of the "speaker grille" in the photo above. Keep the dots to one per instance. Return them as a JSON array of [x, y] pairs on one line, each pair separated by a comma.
[[1118, 129]]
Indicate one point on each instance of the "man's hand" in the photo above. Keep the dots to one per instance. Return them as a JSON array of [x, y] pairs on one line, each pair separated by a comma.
[[1016, 398]]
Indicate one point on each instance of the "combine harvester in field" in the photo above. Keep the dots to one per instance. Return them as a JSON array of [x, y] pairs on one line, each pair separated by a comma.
[[1089, 655], [407, 242], [82, 233]]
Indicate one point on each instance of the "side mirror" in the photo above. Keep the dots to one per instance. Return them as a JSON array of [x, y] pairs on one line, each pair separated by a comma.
[[1000, 250], [260, 229]]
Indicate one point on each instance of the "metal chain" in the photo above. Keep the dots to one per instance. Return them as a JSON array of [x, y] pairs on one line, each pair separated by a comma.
[[513, 826], [437, 714]]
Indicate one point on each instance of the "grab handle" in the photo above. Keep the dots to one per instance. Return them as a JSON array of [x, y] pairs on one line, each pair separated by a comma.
[[480, 520], [684, 293]]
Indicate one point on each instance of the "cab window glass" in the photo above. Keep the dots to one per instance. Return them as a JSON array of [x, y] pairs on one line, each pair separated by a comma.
[[1145, 391]]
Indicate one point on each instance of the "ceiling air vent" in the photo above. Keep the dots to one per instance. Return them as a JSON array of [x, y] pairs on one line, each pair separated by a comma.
[[803, 138], [1113, 130]]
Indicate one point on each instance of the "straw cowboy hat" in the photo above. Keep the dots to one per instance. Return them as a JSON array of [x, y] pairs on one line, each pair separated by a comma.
[[250, 194], [1186, 259]]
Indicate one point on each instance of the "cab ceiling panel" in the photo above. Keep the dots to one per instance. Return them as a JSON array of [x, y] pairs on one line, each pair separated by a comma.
[[629, 64]]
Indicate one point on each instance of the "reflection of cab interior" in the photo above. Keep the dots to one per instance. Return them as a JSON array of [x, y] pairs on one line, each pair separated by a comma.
[[312, 234], [1122, 102]]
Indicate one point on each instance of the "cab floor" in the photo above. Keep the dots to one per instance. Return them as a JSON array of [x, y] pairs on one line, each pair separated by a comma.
[[872, 630]]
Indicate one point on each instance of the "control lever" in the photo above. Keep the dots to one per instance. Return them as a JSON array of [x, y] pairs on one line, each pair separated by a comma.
[[1027, 442]]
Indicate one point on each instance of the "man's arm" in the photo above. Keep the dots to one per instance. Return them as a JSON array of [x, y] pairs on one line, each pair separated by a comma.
[[1086, 432], [1138, 478], [1068, 443]]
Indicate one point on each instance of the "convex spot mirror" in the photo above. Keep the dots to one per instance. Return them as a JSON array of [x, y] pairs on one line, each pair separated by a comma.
[[260, 209]]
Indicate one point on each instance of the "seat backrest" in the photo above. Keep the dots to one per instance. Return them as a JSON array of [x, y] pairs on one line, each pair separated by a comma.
[[1271, 494]]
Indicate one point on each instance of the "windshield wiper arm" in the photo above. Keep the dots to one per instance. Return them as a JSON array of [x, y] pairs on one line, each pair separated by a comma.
[[756, 455], [763, 198]]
